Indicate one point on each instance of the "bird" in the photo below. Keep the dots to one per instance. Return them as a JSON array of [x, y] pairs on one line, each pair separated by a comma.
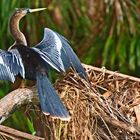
[[33, 63]]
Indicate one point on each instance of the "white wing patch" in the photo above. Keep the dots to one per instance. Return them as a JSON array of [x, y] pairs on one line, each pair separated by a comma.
[[58, 43], [1, 61], [5, 72], [59, 47], [17, 60]]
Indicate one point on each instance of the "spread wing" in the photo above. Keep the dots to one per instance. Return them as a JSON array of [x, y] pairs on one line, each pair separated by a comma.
[[10, 65], [70, 59], [50, 50], [56, 51]]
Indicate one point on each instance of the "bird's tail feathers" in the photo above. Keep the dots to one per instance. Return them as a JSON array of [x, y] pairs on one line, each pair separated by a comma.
[[49, 99]]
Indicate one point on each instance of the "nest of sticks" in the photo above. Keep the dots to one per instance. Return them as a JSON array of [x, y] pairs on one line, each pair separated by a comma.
[[107, 108]]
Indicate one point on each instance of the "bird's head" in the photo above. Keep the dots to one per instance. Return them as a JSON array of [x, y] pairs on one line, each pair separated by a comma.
[[21, 12], [14, 23]]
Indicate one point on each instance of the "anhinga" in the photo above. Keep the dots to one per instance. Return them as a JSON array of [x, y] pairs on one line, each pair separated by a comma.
[[32, 63]]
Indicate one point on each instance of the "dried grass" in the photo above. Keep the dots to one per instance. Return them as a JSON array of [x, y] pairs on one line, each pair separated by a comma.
[[107, 108]]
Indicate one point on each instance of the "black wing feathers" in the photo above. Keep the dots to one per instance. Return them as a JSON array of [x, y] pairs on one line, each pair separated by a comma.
[[49, 50], [72, 59], [10, 65]]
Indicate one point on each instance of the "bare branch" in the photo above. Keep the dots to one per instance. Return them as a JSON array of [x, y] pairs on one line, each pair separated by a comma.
[[15, 99], [10, 132]]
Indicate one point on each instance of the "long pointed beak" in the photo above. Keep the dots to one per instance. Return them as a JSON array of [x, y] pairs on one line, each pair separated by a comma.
[[36, 10]]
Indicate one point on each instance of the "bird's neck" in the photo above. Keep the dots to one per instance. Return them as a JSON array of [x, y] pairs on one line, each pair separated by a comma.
[[15, 31]]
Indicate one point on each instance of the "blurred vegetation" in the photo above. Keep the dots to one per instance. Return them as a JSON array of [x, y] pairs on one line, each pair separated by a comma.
[[103, 33]]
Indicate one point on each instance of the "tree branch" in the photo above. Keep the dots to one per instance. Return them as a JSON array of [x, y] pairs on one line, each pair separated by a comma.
[[15, 99], [15, 134]]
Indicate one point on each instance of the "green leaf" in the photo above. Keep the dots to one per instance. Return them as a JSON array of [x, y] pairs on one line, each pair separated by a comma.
[[31, 127], [132, 56], [107, 48]]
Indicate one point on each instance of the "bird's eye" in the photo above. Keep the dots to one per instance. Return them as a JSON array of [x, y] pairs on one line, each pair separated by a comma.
[[18, 10]]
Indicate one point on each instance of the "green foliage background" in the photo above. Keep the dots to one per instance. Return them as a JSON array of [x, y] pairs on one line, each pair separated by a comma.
[[102, 32]]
